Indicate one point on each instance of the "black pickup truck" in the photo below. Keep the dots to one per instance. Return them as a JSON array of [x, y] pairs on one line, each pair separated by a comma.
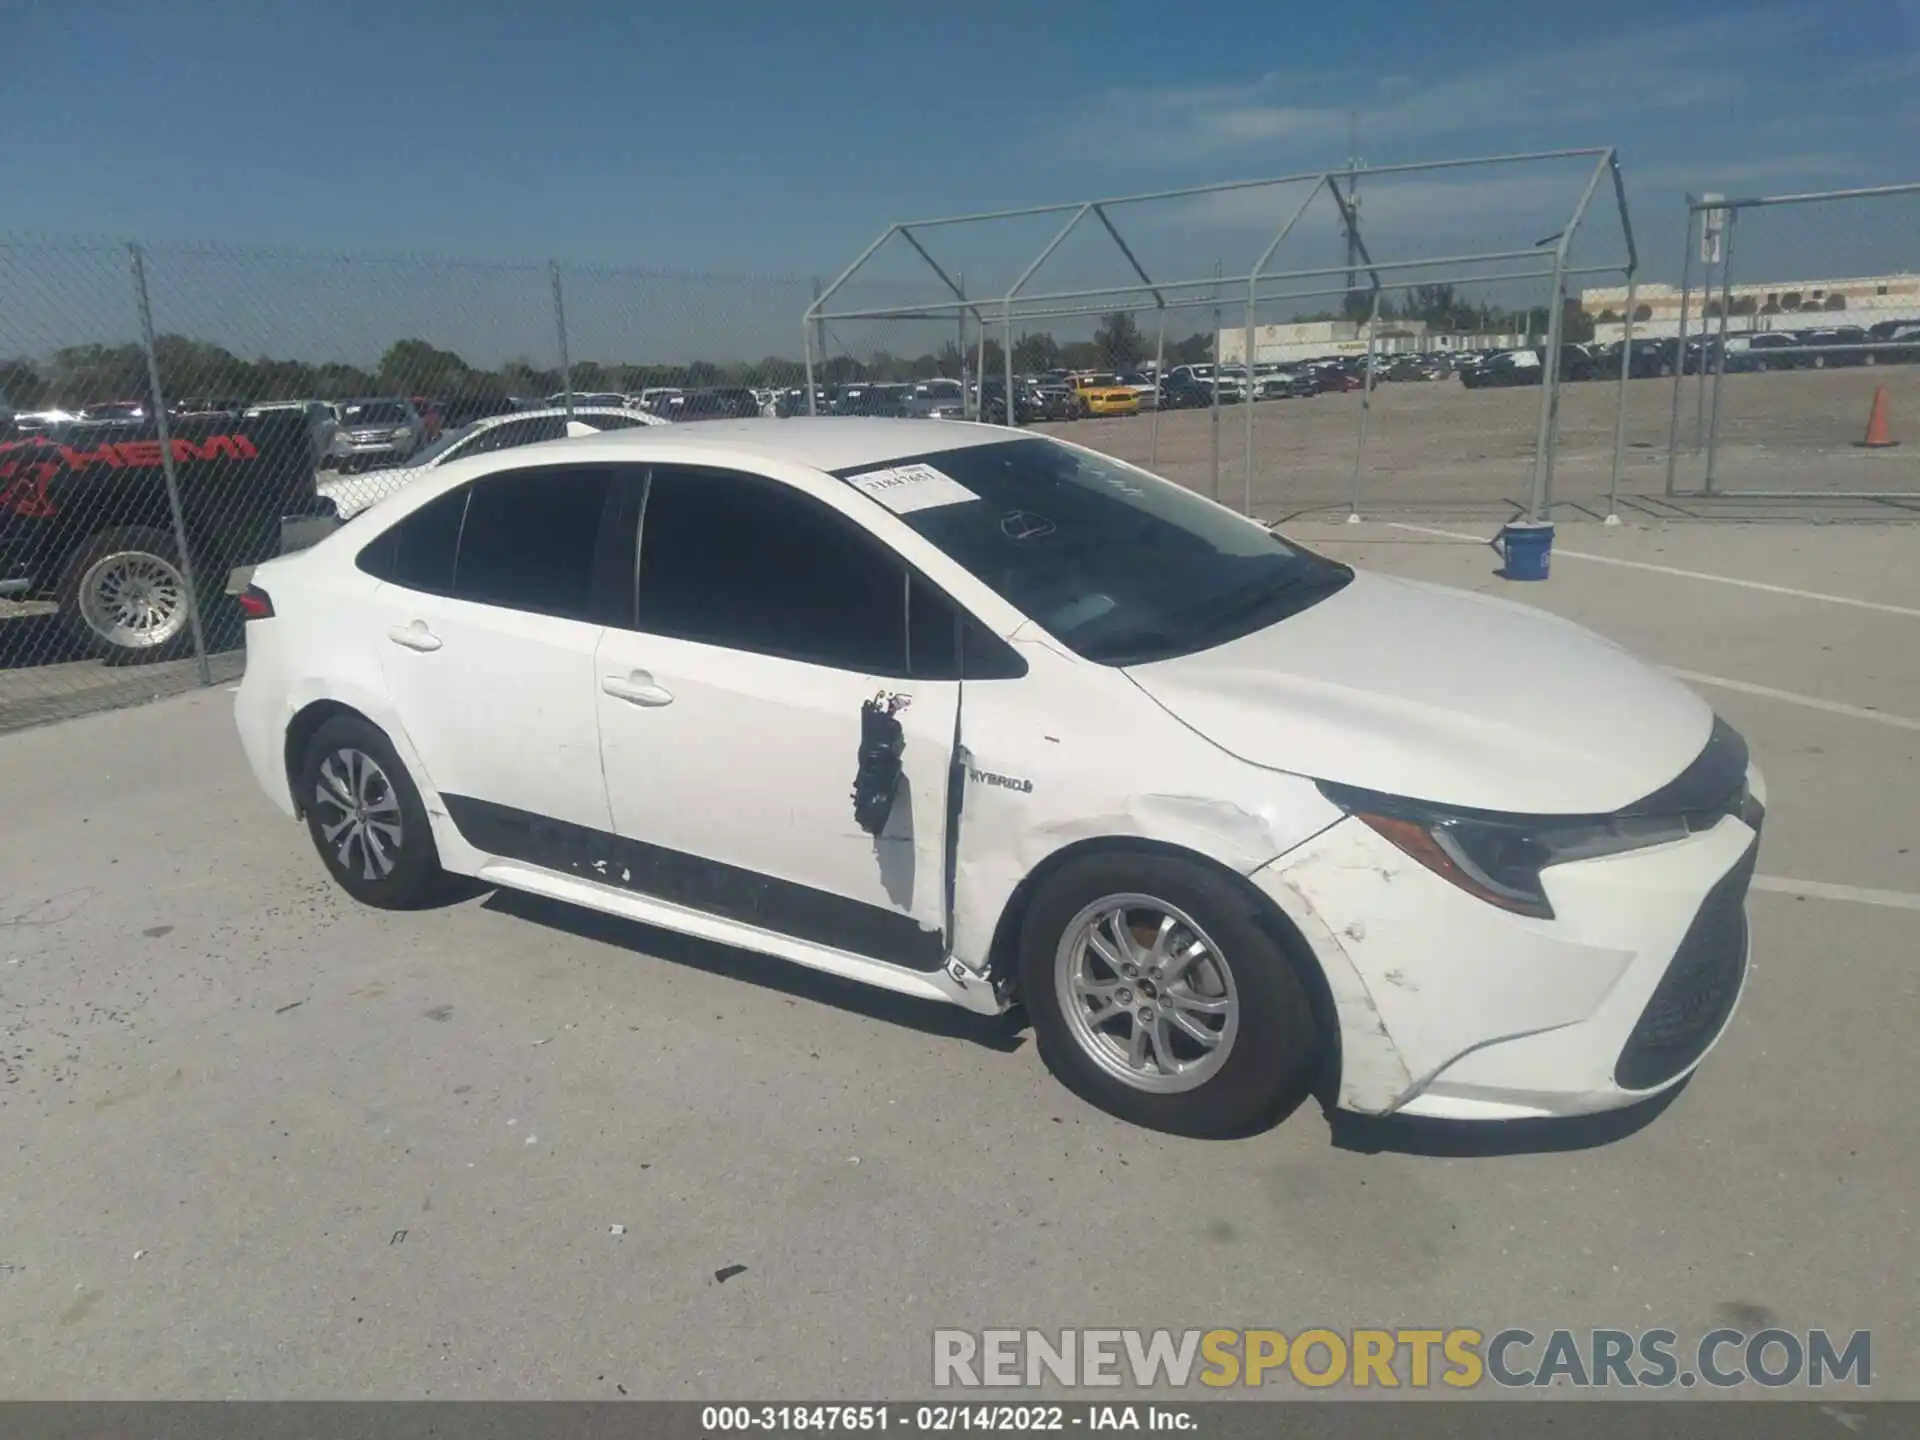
[[85, 521]]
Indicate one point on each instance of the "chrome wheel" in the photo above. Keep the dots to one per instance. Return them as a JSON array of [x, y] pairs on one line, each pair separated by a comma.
[[1147, 995], [358, 813], [134, 600]]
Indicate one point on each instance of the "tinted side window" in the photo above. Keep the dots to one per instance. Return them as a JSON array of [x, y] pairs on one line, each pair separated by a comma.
[[529, 541], [751, 564], [946, 643], [418, 552]]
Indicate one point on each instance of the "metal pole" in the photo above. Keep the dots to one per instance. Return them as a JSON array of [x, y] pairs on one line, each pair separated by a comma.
[[960, 349], [1680, 348], [560, 324], [1550, 381], [174, 506], [1620, 418], [980, 375], [1706, 297], [816, 344], [1006, 359], [1720, 359], [1213, 473], [806, 341], [1366, 407], [1159, 389], [1247, 357]]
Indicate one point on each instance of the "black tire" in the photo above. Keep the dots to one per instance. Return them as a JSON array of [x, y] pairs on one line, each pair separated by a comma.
[[87, 598], [1268, 1064], [414, 876]]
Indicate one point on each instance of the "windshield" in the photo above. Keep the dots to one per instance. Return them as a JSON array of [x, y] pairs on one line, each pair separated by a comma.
[[448, 439], [380, 412], [1119, 565]]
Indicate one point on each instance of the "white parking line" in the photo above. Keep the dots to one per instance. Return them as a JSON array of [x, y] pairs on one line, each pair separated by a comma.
[[1883, 608], [1832, 707], [1821, 890]]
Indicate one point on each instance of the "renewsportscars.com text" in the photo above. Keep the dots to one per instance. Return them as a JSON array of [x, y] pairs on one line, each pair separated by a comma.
[[1456, 1359]]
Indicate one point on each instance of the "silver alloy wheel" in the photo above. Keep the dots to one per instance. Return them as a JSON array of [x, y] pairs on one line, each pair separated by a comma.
[[358, 813], [1147, 994], [134, 600]]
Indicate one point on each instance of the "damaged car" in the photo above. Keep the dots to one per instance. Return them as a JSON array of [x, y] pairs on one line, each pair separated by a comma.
[[1232, 822]]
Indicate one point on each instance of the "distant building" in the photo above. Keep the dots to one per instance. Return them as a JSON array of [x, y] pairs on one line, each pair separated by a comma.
[[1769, 305], [1310, 339]]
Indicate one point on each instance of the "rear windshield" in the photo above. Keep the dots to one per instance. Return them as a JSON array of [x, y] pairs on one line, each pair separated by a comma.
[[1117, 564]]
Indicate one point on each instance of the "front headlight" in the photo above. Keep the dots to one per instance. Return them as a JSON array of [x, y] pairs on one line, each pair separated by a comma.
[[1499, 858], [403, 434]]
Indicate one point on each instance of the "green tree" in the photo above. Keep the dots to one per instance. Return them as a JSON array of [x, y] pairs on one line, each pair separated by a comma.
[[1035, 352], [1194, 350], [1119, 342]]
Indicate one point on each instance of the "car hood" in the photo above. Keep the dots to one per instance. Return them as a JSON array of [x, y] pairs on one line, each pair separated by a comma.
[[1441, 695]]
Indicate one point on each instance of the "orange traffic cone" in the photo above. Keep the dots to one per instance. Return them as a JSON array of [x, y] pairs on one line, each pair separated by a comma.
[[1877, 438]]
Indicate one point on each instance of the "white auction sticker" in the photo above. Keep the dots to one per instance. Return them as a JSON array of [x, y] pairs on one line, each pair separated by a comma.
[[907, 488]]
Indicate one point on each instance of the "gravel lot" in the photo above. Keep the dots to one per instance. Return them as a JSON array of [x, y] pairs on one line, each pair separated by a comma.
[[265, 1143], [1437, 446]]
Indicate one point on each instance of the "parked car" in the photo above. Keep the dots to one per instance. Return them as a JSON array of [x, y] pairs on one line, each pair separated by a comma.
[[1283, 382], [1101, 393], [1182, 391], [377, 431], [86, 522], [937, 400], [1192, 796], [480, 437], [41, 422], [195, 406], [115, 412], [1509, 367], [1840, 345], [1338, 376], [1143, 386], [656, 397], [1651, 359], [322, 422], [722, 402], [597, 399]]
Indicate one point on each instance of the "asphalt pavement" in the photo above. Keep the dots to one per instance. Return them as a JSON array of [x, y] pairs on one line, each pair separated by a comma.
[[266, 1143]]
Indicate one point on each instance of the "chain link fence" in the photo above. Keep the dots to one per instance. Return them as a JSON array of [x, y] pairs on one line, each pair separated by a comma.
[[172, 415]]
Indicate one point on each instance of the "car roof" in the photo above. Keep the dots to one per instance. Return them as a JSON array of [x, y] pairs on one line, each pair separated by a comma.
[[821, 442], [624, 412]]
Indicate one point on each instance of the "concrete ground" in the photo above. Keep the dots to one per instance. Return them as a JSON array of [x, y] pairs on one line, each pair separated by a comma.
[[266, 1143]]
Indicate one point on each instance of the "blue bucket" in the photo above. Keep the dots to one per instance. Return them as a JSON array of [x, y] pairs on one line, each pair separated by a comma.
[[1526, 546]]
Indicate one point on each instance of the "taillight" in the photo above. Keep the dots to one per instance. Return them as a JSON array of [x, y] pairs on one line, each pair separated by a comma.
[[255, 604]]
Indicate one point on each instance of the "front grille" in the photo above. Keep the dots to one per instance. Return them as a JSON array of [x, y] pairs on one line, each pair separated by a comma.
[[1697, 993]]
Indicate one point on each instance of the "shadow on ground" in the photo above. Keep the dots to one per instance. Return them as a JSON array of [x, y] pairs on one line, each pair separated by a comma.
[[999, 1033]]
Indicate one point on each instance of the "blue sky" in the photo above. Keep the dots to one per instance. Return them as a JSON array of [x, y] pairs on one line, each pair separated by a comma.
[[779, 138]]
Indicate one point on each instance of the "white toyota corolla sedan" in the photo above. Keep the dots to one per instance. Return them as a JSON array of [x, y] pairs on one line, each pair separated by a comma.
[[979, 716]]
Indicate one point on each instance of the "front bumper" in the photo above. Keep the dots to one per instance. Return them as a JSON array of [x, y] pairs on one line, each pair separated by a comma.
[[345, 449], [1450, 1008]]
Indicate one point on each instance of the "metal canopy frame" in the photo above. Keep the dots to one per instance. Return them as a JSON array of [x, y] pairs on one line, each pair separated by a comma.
[[1734, 208], [1184, 293]]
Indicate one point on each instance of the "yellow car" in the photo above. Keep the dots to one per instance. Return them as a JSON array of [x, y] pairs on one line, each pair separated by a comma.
[[1105, 395]]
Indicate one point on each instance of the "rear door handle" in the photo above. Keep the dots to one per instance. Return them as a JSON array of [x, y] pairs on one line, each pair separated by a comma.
[[638, 688], [415, 636]]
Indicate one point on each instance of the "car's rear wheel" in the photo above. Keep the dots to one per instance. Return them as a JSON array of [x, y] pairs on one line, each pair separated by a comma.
[[366, 817], [124, 596], [1156, 994]]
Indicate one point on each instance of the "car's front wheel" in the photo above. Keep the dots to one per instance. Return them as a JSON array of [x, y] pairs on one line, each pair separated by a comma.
[[365, 816], [1156, 993]]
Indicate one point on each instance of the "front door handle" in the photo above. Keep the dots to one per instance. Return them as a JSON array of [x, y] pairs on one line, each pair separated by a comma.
[[415, 636], [637, 687]]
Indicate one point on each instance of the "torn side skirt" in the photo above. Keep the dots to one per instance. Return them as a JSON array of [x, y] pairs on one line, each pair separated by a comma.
[[710, 886]]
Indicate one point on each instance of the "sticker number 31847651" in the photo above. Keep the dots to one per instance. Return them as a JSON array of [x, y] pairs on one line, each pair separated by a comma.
[[904, 489]]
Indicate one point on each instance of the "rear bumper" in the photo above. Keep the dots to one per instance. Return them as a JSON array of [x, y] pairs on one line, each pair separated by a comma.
[[1452, 1009]]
